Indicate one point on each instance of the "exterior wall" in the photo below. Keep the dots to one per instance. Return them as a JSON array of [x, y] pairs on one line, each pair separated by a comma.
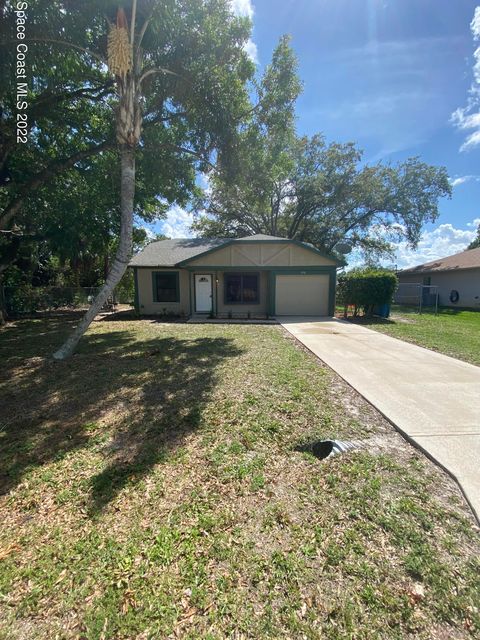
[[258, 254], [466, 282], [146, 304]]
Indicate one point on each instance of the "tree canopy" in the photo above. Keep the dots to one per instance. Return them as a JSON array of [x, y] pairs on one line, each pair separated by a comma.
[[193, 94], [301, 187]]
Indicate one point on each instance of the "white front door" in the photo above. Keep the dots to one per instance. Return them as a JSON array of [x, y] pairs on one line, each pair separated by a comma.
[[203, 293]]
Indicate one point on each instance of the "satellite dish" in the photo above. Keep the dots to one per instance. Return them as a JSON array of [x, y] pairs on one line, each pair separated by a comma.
[[343, 247]]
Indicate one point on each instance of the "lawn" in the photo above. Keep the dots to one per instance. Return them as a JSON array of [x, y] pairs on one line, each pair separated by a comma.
[[453, 332], [151, 488]]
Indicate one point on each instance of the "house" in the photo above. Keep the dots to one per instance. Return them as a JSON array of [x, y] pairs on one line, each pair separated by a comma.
[[457, 278], [256, 276]]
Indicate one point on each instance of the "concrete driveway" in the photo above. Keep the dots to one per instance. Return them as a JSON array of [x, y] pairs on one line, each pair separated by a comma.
[[432, 399]]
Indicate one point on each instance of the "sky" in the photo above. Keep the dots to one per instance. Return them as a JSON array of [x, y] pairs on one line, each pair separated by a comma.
[[399, 77]]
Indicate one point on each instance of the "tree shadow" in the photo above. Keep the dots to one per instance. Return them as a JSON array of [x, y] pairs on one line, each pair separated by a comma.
[[370, 320], [153, 390]]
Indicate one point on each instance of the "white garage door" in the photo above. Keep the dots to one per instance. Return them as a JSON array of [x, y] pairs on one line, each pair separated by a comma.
[[301, 295]]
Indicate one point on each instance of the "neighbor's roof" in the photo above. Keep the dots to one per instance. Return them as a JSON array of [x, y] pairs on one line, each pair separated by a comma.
[[169, 253], [469, 259]]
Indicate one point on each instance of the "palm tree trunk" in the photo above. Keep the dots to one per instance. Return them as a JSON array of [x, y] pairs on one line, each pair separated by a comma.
[[128, 130], [123, 253]]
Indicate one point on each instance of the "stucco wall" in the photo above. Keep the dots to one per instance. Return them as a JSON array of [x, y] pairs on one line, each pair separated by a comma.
[[145, 293], [466, 282], [269, 254]]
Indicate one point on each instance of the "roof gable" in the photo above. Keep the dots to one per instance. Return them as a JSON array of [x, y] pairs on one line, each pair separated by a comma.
[[180, 252], [259, 240]]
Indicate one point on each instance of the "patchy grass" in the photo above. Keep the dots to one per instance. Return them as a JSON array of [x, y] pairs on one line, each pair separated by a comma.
[[151, 490], [455, 333]]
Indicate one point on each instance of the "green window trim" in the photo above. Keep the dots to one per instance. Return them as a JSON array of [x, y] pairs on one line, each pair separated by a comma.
[[241, 275], [155, 275]]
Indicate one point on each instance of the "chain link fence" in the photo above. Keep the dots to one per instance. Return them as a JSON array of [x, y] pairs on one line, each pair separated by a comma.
[[418, 296]]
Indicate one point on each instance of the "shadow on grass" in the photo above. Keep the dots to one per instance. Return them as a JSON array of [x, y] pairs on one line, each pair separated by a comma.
[[368, 320], [152, 390]]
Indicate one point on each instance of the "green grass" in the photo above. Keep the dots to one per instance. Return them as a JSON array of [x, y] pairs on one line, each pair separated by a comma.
[[455, 333], [151, 489]]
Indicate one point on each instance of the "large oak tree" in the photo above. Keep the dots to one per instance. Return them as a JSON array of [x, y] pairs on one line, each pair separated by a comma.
[[304, 188]]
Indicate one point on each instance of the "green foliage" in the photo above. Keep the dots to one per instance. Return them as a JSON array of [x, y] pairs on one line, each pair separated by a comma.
[[125, 290], [240, 198], [366, 288], [189, 113], [300, 187], [475, 243], [26, 299]]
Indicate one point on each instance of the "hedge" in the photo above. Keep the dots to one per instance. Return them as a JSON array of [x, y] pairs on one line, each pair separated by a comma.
[[366, 288]]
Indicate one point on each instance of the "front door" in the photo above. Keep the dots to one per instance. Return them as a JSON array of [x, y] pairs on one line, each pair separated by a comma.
[[203, 293]]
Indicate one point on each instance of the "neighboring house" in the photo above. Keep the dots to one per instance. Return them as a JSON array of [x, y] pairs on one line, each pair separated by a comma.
[[254, 276], [457, 278]]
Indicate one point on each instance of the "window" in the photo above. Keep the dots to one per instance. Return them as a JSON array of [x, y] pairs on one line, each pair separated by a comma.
[[241, 288], [165, 286]]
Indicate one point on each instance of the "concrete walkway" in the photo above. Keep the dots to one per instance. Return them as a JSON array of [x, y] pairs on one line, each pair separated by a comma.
[[432, 399]]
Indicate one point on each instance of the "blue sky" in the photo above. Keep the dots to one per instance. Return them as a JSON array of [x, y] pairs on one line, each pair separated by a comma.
[[396, 76]]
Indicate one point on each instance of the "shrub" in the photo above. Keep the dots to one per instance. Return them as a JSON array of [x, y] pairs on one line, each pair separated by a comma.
[[366, 288]]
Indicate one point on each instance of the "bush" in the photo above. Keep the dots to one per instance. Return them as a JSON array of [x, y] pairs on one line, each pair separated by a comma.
[[366, 288], [25, 299], [125, 290]]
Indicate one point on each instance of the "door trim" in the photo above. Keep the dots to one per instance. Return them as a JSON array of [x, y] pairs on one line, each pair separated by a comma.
[[195, 291]]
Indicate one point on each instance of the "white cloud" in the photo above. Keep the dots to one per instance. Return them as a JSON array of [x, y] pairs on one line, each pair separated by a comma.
[[444, 240], [177, 223], [475, 23], [468, 118], [245, 8], [242, 8], [457, 181], [251, 50]]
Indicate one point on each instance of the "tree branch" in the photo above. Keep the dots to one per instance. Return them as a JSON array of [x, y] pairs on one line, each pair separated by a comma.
[[150, 72], [43, 176]]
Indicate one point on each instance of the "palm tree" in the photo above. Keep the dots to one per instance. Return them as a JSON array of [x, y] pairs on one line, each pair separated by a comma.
[[125, 63]]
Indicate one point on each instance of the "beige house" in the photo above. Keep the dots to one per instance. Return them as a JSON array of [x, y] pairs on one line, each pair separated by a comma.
[[457, 278], [256, 276]]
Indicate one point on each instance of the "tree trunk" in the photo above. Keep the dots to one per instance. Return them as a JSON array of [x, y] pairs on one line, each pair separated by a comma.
[[123, 253], [128, 131]]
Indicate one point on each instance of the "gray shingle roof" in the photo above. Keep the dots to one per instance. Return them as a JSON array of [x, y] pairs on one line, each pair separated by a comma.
[[168, 253], [469, 259]]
